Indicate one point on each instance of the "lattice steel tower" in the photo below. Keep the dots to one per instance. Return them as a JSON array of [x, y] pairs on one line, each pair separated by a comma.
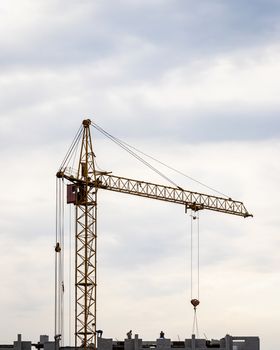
[[83, 195]]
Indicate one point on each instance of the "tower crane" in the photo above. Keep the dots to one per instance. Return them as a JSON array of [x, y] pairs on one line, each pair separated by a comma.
[[83, 185]]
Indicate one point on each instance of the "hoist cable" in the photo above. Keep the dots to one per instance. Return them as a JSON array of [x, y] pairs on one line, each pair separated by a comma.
[[195, 324], [198, 256], [74, 144], [125, 144], [195, 244], [135, 155], [56, 232], [70, 272], [195, 234], [191, 257], [62, 261], [59, 260]]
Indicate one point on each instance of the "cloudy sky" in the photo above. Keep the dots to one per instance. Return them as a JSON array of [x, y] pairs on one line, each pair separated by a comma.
[[194, 84]]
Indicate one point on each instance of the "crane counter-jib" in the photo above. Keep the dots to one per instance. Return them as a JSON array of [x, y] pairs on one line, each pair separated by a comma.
[[192, 200]]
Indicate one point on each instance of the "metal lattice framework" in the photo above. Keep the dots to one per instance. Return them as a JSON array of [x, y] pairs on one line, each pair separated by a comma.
[[84, 199], [85, 259], [85, 183], [85, 272], [192, 200]]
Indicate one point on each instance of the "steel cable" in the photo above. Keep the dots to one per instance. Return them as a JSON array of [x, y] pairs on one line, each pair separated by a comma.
[[195, 294], [73, 144], [126, 146]]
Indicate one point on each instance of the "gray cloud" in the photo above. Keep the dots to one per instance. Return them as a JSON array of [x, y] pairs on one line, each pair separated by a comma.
[[179, 31], [196, 85]]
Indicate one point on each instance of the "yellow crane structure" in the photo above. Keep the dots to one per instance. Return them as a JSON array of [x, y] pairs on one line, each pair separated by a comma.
[[82, 188]]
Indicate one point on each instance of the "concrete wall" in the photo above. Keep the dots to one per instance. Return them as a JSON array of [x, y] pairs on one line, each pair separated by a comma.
[[246, 343], [22, 345], [105, 344], [226, 343]]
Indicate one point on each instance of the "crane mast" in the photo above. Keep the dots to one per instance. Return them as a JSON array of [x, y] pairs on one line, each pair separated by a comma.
[[84, 197], [82, 192]]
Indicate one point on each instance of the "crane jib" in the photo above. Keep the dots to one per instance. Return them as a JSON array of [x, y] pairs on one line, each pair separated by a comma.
[[191, 200]]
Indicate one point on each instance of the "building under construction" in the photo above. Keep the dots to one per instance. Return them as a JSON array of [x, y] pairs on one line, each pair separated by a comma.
[[136, 343]]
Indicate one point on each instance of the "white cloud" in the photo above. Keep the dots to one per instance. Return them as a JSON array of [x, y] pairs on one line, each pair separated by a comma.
[[246, 80], [197, 89]]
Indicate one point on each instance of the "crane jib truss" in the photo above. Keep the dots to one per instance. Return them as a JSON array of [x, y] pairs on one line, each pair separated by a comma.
[[191, 200], [82, 192]]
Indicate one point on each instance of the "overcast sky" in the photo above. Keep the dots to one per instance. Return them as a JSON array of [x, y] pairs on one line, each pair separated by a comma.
[[194, 84]]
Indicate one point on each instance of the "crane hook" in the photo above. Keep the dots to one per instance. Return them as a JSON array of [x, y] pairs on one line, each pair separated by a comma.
[[195, 303], [57, 248]]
